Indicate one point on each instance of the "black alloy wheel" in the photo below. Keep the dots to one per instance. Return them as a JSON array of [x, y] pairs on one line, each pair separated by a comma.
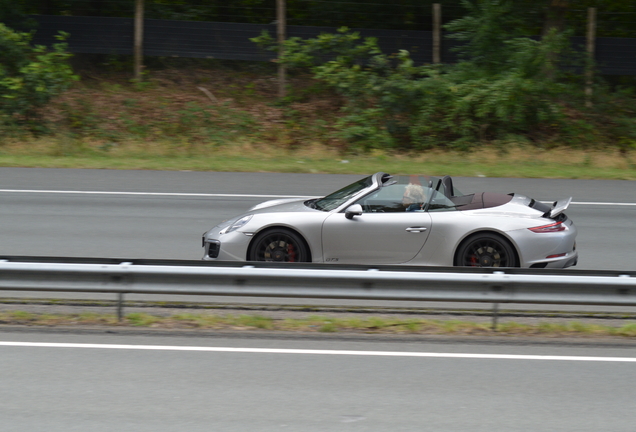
[[278, 245], [486, 250]]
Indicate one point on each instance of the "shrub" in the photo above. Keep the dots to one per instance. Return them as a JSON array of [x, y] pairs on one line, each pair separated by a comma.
[[30, 75], [505, 85]]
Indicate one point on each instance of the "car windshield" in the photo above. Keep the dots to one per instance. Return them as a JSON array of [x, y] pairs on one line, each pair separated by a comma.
[[338, 198]]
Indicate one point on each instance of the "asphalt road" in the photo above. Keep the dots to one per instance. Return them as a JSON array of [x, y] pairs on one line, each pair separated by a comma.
[[155, 214], [248, 382], [63, 212], [158, 383]]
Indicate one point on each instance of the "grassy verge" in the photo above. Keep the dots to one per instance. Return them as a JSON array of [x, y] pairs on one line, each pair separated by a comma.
[[529, 162], [220, 119], [316, 324]]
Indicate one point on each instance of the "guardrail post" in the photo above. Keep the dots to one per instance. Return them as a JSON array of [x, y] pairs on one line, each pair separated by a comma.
[[120, 296], [120, 306], [495, 316]]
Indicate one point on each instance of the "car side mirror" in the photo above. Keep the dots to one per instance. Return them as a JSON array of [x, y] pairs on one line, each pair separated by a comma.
[[354, 210]]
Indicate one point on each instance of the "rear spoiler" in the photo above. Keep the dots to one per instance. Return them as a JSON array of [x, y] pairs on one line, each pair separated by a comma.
[[558, 207]]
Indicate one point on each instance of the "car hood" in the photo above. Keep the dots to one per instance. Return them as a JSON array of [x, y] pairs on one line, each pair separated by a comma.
[[282, 205]]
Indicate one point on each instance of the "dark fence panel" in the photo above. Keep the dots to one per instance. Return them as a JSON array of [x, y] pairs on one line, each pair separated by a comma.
[[616, 56], [91, 35], [204, 40], [199, 39]]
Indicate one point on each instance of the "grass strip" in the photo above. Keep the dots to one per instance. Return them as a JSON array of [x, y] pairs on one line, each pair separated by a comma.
[[490, 161], [316, 323]]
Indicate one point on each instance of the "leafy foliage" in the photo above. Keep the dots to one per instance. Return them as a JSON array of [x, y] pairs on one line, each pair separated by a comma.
[[506, 86], [13, 14], [30, 76]]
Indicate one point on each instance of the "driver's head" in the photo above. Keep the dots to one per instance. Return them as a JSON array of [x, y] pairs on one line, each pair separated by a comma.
[[413, 193]]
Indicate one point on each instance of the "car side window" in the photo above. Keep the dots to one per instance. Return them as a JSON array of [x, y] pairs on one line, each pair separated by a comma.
[[400, 197], [440, 202], [389, 199]]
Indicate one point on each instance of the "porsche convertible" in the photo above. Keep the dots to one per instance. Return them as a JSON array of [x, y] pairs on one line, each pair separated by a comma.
[[409, 220]]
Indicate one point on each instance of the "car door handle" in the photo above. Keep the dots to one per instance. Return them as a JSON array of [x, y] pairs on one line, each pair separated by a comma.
[[416, 229]]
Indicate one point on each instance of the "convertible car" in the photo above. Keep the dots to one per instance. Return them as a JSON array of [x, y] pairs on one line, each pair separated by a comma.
[[409, 220]]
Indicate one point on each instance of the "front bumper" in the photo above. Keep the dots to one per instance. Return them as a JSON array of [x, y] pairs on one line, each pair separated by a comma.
[[211, 249], [225, 247]]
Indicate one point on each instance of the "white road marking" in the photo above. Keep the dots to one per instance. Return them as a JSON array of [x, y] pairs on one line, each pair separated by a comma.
[[318, 352], [603, 203], [179, 194], [212, 195], [595, 203]]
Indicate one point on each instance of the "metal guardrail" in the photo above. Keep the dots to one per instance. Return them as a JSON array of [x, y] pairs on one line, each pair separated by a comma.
[[370, 284], [318, 281]]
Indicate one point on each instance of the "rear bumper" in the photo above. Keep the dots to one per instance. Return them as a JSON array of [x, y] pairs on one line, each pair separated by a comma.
[[568, 260], [548, 250]]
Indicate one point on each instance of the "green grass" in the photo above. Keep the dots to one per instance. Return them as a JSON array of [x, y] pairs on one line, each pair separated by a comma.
[[319, 324], [140, 319], [249, 157]]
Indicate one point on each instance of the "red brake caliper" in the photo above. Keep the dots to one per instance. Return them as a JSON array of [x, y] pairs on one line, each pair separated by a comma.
[[291, 253]]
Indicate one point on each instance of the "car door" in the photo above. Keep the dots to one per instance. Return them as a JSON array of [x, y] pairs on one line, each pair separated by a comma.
[[385, 233]]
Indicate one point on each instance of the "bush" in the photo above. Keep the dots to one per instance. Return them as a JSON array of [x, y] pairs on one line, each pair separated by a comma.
[[505, 85], [30, 75]]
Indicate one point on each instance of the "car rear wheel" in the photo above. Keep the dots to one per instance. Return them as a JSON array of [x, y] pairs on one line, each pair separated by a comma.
[[486, 250], [279, 245]]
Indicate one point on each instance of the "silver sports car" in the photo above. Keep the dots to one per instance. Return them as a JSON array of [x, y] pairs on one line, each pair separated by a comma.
[[410, 220]]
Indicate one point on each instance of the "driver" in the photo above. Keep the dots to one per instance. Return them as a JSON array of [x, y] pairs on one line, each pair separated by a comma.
[[414, 197]]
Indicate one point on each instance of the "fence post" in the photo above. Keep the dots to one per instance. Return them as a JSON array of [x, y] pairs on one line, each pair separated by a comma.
[[280, 31], [139, 38], [437, 32], [590, 48]]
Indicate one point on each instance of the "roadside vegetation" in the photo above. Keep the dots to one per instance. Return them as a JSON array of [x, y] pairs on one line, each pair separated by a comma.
[[320, 324], [512, 107]]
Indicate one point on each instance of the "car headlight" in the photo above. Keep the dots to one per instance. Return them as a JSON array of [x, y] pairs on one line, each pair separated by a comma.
[[236, 225]]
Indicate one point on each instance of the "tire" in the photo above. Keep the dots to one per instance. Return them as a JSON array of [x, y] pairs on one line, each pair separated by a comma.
[[486, 250], [279, 245]]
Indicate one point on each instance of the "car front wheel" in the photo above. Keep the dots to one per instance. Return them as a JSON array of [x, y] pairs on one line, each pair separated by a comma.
[[486, 250], [278, 245]]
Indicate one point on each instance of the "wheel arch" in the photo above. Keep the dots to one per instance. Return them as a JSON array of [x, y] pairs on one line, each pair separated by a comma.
[[503, 236], [274, 228]]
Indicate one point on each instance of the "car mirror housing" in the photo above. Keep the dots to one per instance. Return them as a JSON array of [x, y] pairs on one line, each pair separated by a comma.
[[354, 210]]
